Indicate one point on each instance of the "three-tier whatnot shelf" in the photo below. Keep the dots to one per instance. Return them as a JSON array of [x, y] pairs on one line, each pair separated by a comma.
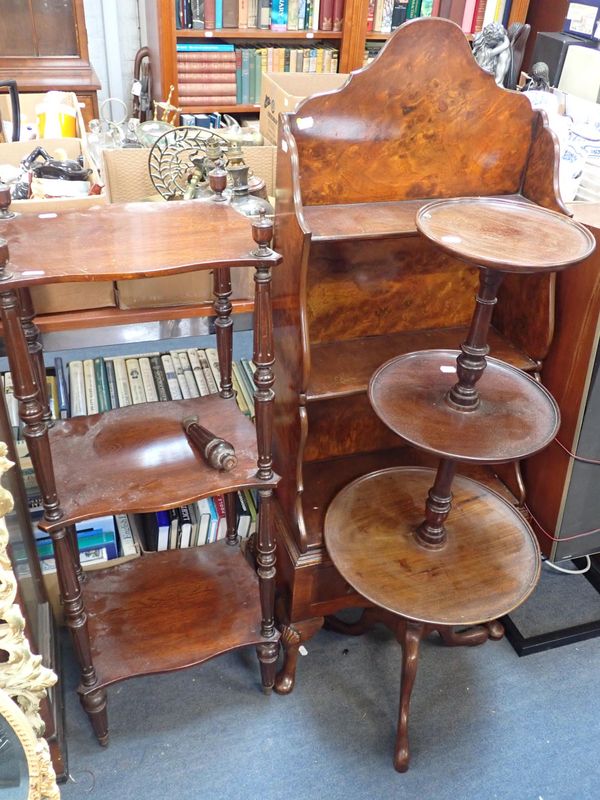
[[472, 557]]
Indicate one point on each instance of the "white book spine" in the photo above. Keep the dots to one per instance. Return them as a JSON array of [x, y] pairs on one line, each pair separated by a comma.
[[91, 391], [292, 23], [198, 372], [12, 404], [123, 390], [378, 15], [171, 377], [386, 17], [185, 392], [138, 395], [77, 389], [188, 374], [489, 13], [210, 380], [213, 362], [128, 547], [316, 12], [148, 380]]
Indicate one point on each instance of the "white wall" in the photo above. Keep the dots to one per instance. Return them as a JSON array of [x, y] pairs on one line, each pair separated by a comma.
[[113, 29]]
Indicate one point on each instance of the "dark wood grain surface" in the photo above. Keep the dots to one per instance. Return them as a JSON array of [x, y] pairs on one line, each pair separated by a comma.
[[138, 458], [423, 120], [342, 368], [505, 234], [133, 240], [489, 566], [516, 416], [367, 220], [167, 611]]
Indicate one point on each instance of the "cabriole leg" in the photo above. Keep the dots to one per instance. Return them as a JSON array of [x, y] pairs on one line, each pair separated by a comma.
[[409, 636]]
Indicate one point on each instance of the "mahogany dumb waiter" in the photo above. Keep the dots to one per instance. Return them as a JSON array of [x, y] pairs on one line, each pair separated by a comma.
[[172, 609], [471, 557]]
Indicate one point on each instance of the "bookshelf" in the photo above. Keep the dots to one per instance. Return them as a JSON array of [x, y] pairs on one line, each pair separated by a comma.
[[180, 607], [163, 37], [359, 285]]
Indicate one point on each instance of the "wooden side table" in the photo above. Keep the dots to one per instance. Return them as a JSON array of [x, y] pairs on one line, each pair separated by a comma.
[[481, 561]]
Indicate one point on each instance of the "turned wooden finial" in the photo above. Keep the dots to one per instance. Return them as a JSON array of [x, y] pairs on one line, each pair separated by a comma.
[[217, 180], [262, 233], [5, 201], [218, 453]]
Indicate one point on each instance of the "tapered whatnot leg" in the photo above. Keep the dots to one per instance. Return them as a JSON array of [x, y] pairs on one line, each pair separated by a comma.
[[410, 640], [224, 327], [268, 654], [94, 705]]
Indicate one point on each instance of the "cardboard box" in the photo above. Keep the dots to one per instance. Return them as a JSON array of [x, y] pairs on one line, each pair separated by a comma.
[[14, 152], [29, 101], [282, 91], [127, 179], [56, 298]]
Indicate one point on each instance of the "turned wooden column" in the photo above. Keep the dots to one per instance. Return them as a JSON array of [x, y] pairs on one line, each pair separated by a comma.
[[36, 351], [35, 431], [224, 327], [431, 533], [264, 398], [471, 363]]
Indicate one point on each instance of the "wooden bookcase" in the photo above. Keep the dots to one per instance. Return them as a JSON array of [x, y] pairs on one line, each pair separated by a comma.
[[163, 36], [359, 286], [44, 46]]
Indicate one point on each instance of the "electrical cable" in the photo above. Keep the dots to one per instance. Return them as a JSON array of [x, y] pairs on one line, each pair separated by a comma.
[[570, 571]]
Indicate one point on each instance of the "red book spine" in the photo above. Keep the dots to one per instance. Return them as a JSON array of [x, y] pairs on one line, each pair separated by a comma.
[[479, 15], [435, 11], [206, 77], [206, 89], [326, 15], [210, 15], [209, 100], [184, 59], [371, 15], [338, 14]]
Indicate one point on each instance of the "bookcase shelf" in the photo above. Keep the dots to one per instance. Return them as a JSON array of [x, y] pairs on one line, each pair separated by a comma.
[[344, 368], [106, 317], [258, 34]]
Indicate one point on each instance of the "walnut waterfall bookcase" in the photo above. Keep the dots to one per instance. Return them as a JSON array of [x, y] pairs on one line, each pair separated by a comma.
[[176, 608], [359, 285]]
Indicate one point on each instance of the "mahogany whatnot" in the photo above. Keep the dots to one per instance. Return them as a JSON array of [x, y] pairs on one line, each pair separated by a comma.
[[132, 619], [359, 285]]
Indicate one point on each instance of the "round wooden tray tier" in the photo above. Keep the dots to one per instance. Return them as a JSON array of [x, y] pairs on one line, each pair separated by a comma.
[[503, 234], [489, 565], [516, 416]]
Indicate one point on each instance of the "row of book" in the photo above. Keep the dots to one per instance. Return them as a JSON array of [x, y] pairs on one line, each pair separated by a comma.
[[216, 74], [275, 15], [472, 15], [107, 538]]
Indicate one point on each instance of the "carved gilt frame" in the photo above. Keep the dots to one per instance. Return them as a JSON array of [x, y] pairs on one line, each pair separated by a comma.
[[24, 680]]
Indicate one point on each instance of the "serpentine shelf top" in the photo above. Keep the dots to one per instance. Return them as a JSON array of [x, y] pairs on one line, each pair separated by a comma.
[[133, 240]]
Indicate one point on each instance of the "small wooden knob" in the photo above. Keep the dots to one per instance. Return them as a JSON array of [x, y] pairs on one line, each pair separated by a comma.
[[5, 201]]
